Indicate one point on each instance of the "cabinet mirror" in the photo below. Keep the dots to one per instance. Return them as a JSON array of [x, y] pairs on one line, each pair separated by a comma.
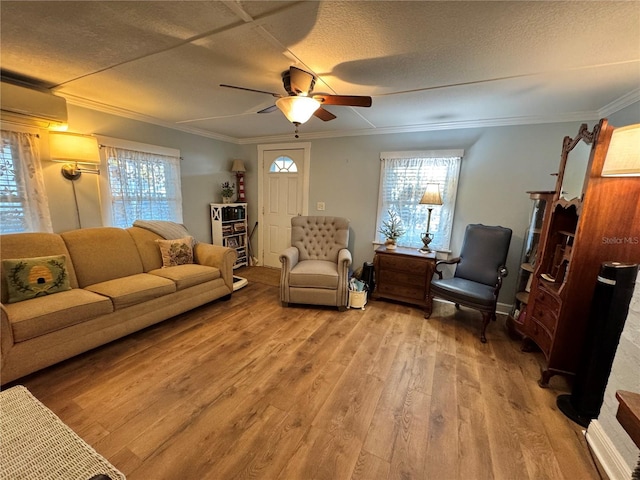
[[576, 155]]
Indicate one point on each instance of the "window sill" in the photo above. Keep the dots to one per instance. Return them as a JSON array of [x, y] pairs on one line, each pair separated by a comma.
[[440, 254]]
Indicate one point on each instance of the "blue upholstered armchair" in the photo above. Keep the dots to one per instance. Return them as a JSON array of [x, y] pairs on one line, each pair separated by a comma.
[[480, 269]]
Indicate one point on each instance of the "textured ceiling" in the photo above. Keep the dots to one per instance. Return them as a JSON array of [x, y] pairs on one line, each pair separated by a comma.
[[427, 65]]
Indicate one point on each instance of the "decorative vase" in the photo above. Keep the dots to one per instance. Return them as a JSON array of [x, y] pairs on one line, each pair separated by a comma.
[[390, 244], [226, 199]]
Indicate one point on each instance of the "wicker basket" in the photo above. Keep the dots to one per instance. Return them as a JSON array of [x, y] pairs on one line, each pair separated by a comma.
[[357, 299]]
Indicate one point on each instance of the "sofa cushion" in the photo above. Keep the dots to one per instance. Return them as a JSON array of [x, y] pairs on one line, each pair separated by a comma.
[[102, 254], [185, 276], [26, 245], [35, 277], [145, 241], [42, 315], [176, 252], [314, 274], [133, 289], [461, 288]]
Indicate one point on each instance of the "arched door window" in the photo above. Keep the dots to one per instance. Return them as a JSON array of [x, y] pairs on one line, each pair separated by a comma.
[[283, 165]]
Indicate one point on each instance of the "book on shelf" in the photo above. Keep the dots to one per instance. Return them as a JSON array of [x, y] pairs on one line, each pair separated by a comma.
[[529, 281], [533, 254], [232, 213]]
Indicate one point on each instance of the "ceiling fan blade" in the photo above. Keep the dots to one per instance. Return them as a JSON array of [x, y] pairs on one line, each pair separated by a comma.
[[299, 81], [270, 109], [345, 100], [324, 115], [277, 95]]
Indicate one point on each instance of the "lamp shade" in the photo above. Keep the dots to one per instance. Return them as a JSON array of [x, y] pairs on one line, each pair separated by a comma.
[[73, 147], [623, 155], [238, 166], [431, 195], [297, 109]]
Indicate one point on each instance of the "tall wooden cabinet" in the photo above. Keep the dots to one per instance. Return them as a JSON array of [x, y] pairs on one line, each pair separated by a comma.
[[592, 219], [528, 260]]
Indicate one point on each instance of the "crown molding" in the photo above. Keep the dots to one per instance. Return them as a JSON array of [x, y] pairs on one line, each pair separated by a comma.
[[618, 104], [624, 101], [426, 127], [122, 112]]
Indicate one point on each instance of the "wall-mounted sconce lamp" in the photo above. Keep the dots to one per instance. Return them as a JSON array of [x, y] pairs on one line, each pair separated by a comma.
[[75, 149], [238, 169], [623, 155], [431, 198]]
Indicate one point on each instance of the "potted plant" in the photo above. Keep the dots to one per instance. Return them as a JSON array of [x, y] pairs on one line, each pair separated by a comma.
[[228, 190], [392, 229]]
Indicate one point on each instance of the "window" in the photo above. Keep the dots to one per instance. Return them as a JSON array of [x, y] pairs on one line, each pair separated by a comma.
[[283, 165], [403, 180], [23, 199], [142, 186]]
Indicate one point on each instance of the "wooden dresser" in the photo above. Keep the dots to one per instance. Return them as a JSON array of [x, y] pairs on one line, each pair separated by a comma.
[[543, 318], [403, 274]]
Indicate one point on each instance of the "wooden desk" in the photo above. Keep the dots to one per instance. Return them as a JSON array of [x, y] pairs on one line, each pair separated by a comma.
[[404, 274], [629, 414]]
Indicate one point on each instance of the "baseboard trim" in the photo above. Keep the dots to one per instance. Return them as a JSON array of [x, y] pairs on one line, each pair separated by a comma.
[[606, 453], [501, 308], [504, 308]]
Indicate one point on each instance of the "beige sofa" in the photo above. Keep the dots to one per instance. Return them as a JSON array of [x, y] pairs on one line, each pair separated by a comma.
[[118, 286]]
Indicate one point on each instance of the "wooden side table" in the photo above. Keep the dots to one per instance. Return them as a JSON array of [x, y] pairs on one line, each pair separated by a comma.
[[628, 415], [404, 274]]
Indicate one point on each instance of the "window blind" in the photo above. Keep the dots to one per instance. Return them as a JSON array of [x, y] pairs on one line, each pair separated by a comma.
[[403, 180]]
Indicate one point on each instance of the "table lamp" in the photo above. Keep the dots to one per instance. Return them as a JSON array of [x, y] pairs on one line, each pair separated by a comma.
[[431, 198], [623, 155]]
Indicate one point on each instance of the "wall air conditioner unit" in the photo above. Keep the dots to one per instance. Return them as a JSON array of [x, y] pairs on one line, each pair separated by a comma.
[[26, 106]]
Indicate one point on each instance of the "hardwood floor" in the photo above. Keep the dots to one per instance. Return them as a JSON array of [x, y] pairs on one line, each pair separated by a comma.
[[247, 389]]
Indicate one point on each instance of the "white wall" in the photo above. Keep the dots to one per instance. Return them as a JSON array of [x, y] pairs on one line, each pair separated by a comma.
[[625, 372]]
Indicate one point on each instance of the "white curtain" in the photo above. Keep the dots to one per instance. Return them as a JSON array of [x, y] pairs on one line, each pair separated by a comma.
[[23, 199], [142, 186], [403, 179]]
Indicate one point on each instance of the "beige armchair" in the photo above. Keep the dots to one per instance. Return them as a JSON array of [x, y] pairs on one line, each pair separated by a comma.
[[315, 268]]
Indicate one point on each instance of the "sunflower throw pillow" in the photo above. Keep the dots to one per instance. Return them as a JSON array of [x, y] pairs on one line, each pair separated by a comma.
[[35, 277], [176, 252]]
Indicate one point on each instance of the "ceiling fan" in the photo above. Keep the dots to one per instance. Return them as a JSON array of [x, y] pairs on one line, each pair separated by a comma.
[[301, 103]]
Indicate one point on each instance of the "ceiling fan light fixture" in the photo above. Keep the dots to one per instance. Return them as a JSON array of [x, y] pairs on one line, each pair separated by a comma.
[[297, 109]]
